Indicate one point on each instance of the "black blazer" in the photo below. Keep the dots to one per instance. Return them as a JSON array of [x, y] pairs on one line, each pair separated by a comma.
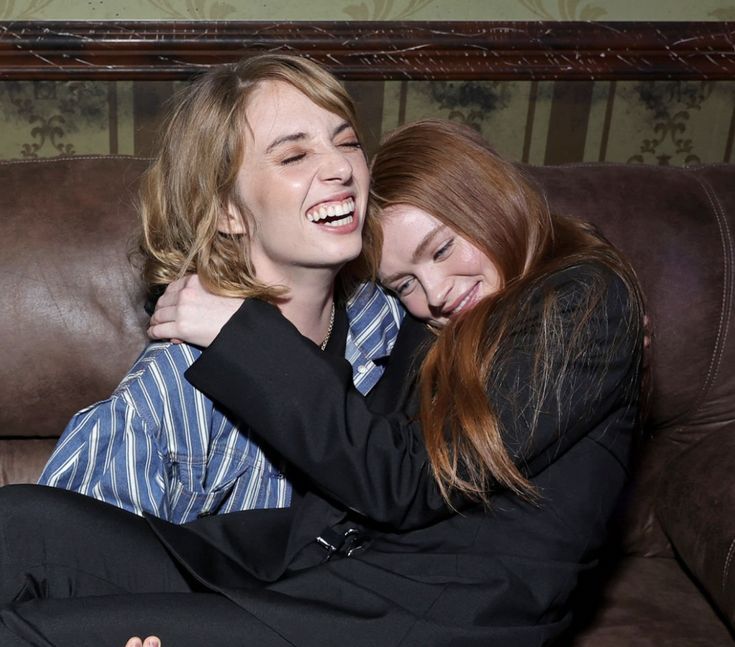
[[420, 573]]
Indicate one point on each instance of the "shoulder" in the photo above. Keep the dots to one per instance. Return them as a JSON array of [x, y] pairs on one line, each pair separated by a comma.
[[160, 364], [584, 277], [587, 288], [581, 305], [163, 356]]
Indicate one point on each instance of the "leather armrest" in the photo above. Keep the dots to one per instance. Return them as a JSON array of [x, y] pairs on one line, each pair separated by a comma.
[[695, 505]]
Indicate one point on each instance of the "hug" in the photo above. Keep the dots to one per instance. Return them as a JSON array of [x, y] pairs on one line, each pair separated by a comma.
[[390, 404]]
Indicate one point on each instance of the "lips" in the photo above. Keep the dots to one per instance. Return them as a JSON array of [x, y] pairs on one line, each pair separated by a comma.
[[467, 299]]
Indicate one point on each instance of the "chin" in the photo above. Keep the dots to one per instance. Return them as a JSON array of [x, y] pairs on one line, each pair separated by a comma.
[[346, 255]]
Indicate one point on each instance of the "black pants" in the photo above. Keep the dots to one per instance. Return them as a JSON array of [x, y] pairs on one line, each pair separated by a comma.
[[77, 572]]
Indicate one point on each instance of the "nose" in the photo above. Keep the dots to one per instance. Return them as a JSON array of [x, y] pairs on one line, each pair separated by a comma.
[[336, 166], [437, 290]]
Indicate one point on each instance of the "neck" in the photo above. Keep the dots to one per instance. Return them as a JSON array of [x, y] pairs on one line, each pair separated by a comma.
[[308, 304]]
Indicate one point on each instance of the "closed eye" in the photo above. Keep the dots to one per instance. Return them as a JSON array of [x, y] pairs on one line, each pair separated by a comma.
[[405, 287], [291, 159], [444, 250], [354, 144]]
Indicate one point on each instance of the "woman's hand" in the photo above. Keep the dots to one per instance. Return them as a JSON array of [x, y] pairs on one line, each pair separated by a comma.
[[151, 641], [187, 312]]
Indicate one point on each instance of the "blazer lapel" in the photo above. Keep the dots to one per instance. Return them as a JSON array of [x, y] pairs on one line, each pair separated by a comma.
[[397, 383]]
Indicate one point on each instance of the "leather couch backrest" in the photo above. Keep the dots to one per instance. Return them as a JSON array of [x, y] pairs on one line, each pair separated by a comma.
[[72, 320], [676, 226]]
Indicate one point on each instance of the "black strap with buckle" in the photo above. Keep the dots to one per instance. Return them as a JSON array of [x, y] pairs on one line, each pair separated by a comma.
[[346, 543]]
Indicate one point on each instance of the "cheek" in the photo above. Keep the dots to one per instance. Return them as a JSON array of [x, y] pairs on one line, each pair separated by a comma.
[[416, 305], [283, 201], [361, 172], [471, 261]]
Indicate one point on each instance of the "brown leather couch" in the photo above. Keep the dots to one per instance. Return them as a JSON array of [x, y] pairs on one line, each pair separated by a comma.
[[72, 322]]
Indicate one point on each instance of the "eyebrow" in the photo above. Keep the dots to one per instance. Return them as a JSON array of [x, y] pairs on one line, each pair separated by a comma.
[[418, 252], [300, 135]]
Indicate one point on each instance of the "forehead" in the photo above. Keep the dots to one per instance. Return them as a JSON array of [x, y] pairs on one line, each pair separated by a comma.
[[405, 227], [406, 216], [276, 108]]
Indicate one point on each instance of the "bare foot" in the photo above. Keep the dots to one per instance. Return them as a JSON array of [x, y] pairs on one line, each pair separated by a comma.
[[151, 641]]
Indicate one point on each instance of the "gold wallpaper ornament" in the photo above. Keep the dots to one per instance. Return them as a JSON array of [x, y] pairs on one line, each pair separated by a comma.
[[724, 13], [194, 9], [674, 123], [22, 9], [386, 9], [565, 9], [49, 118]]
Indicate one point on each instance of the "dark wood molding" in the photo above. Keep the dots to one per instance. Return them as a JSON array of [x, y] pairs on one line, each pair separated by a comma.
[[374, 50]]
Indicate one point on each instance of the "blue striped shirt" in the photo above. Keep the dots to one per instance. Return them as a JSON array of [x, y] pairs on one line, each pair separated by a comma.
[[159, 445]]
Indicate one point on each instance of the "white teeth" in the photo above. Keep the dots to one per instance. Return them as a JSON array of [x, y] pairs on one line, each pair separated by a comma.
[[461, 305], [339, 223], [332, 211]]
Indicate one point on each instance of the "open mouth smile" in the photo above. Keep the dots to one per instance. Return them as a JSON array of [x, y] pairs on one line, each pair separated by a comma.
[[336, 214]]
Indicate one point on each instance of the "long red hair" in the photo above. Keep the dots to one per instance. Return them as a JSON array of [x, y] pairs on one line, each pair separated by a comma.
[[449, 171]]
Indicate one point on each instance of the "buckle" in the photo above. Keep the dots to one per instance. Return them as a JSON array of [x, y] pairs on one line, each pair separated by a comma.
[[347, 543], [330, 548]]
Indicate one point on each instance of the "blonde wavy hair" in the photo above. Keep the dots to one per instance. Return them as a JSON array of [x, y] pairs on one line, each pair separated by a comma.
[[193, 178]]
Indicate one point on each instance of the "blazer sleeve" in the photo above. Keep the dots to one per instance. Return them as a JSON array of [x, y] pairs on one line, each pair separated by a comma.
[[302, 403]]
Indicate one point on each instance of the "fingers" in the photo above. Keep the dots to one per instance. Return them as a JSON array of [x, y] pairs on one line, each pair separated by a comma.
[[163, 314], [134, 642], [164, 324], [187, 312], [166, 330], [172, 294]]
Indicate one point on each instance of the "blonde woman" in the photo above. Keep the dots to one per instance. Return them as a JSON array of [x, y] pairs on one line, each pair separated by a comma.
[[244, 226]]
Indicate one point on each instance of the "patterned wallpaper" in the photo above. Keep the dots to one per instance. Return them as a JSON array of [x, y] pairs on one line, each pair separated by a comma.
[[539, 122], [547, 122], [367, 10]]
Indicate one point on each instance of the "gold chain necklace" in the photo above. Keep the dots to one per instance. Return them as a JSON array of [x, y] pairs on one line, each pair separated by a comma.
[[329, 329]]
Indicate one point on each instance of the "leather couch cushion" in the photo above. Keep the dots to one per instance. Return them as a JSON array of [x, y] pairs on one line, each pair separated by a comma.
[[695, 504]]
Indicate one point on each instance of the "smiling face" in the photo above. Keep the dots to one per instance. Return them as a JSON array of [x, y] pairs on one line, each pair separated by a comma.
[[435, 272], [303, 184]]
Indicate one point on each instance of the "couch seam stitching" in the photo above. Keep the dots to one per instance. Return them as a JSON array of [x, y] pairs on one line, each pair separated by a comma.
[[728, 561], [724, 323]]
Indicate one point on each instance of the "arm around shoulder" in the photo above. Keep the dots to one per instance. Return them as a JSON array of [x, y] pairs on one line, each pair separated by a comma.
[[302, 403]]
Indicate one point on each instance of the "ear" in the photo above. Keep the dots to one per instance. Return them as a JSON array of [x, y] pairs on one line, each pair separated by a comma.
[[231, 221]]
